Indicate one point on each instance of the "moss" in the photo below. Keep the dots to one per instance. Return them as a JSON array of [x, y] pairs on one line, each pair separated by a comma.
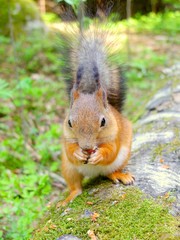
[[21, 11], [124, 213], [168, 147]]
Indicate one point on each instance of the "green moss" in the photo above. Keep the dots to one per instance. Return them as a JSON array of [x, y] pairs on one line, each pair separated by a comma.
[[124, 213]]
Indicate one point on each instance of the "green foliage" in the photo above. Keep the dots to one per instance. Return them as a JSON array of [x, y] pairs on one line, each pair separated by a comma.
[[4, 39], [24, 196], [30, 130], [5, 92], [142, 77], [167, 22], [144, 65], [172, 4], [21, 11], [161, 23], [32, 106], [50, 18]]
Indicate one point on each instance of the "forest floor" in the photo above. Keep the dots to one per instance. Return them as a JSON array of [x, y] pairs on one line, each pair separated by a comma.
[[32, 108]]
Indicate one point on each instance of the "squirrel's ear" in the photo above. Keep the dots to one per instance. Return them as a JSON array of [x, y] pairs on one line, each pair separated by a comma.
[[74, 95], [100, 93]]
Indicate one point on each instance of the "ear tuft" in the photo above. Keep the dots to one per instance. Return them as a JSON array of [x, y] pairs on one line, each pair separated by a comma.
[[74, 95], [100, 93]]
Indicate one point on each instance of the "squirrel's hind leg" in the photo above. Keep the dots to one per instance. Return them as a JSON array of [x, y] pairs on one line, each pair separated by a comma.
[[125, 178], [74, 184], [73, 194], [73, 179]]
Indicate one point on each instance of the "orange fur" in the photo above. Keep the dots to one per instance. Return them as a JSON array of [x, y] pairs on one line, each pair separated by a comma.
[[96, 137], [116, 136]]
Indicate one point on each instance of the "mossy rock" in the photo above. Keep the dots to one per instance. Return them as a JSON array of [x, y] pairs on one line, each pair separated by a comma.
[[116, 212], [112, 212], [21, 12]]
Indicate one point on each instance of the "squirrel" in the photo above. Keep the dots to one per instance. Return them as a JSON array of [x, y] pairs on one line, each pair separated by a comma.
[[96, 136]]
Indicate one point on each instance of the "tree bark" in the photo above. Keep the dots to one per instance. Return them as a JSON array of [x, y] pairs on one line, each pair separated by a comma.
[[42, 6]]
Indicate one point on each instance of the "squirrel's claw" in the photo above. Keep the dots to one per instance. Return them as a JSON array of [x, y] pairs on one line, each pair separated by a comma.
[[80, 155], [95, 158], [70, 198], [125, 178]]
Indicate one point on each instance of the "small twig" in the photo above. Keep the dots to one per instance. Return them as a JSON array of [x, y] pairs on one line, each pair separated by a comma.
[[58, 185], [33, 152], [57, 178]]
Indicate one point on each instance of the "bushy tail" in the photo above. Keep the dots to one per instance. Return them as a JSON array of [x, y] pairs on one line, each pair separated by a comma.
[[88, 61]]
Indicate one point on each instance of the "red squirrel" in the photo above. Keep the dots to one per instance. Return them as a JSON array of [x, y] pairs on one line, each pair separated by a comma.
[[96, 136]]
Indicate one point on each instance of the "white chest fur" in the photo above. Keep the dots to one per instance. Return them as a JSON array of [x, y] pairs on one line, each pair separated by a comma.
[[96, 170]]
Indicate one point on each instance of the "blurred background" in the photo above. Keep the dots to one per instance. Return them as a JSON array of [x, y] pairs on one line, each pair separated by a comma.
[[33, 99]]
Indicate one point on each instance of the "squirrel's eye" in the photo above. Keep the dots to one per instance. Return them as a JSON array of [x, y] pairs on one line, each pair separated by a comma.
[[103, 122], [69, 122]]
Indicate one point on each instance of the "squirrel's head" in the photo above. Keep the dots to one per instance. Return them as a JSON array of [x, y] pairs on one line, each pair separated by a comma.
[[88, 118]]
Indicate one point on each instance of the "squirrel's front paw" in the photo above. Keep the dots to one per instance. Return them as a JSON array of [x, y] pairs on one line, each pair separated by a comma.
[[80, 155], [95, 158]]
